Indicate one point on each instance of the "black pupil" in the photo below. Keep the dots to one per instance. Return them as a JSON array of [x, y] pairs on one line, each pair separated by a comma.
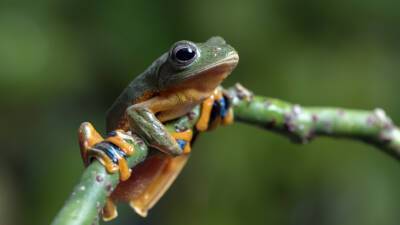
[[185, 54]]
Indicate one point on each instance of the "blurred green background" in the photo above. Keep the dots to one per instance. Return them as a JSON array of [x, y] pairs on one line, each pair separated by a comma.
[[65, 61]]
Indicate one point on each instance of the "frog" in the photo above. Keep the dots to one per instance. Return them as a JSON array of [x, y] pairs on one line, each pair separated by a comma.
[[189, 74]]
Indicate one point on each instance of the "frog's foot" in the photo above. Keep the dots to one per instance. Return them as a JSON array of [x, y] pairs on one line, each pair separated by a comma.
[[109, 210], [88, 137], [123, 140], [110, 152], [183, 138], [215, 110]]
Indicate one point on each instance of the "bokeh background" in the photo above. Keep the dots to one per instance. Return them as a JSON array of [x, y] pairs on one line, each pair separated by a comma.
[[65, 61]]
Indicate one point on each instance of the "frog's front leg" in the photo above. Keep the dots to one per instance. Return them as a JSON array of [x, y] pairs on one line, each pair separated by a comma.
[[143, 121]]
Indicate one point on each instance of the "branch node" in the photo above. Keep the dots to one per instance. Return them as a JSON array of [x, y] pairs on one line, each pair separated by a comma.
[[241, 93]]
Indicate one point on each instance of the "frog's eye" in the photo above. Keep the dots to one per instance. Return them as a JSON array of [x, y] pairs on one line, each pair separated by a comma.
[[183, 54]]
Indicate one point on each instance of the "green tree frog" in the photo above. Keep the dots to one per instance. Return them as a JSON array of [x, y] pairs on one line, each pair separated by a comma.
[[187, 75]]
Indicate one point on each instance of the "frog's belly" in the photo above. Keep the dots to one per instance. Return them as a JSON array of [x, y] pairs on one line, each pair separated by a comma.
[[149, 181]]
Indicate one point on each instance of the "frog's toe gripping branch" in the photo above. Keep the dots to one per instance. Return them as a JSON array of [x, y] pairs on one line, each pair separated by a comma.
[[111, 152], [228, 119], [215, 110], [88, 137]]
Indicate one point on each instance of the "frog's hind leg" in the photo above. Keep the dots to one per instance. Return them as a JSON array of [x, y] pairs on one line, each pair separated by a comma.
[[152, 179], [206, 107], [227, 113], [89, 138], [215, 110], [222, 112], [110, 152]]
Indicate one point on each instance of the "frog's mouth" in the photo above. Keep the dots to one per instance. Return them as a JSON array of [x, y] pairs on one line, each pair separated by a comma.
[[225, 65]]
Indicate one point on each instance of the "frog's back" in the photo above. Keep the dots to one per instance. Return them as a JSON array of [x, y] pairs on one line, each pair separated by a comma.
[[140, 89]]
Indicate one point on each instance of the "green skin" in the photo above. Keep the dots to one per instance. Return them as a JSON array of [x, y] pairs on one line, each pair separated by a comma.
[[170, 88]]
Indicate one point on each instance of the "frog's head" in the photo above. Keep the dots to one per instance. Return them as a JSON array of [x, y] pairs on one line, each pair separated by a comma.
[[200, 66]]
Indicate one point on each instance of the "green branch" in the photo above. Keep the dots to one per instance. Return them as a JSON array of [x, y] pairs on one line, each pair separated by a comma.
[[89, 195], [88, 198], [300, 124]]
